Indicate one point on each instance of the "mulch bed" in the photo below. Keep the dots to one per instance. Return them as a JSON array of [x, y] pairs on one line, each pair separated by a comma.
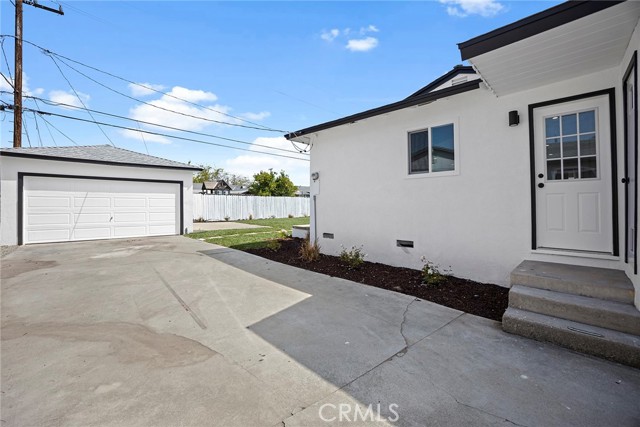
[[481, 299]]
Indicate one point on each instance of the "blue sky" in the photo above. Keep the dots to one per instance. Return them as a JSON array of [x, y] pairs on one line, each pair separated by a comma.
[[282, 65]]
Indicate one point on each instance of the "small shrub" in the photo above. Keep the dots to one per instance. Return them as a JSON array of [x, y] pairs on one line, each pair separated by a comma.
[[309, 252], [272, 217], [431, 274], [353, 257], [290, 216], [250, 217], [227, 218], [274, 245], [284, 234]]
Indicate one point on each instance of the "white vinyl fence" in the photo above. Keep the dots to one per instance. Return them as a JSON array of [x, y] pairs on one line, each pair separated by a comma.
[[211, 207]]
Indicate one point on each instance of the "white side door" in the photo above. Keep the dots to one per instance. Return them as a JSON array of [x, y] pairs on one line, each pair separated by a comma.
[[572, 143]]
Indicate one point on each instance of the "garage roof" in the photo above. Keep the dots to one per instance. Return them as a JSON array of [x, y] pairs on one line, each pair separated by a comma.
[[102, 154]]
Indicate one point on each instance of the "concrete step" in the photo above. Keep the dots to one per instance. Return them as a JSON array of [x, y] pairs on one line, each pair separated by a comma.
[[612, 345], [607, 284], [613, 315]]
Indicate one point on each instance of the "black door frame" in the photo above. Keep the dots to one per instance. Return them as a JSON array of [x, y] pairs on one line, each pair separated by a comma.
[[611, 93], [631, 68]]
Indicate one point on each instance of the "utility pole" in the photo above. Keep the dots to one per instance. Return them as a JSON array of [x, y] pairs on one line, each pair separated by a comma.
[[17, 83]]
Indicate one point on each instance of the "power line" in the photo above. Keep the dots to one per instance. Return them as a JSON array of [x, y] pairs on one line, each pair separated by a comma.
[[46, 125], [62, 104], [59, 131], [6, 60], [63, 59], [26, 132], [81, 101], [35, 119], [162, 134]]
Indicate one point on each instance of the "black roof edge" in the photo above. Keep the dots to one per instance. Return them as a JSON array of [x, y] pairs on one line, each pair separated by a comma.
[[409, 102], [102, 162], [532, 25], [458, 69]]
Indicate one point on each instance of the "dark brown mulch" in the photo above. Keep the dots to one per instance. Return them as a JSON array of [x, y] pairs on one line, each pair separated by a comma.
[[481, 299]]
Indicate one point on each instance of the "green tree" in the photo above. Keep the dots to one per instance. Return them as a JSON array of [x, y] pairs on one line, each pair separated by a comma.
[[212, 173], [272, 184], [208, 174]]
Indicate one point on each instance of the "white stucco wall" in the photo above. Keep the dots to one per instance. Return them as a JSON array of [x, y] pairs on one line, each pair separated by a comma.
[[478, 221], [10, 166]]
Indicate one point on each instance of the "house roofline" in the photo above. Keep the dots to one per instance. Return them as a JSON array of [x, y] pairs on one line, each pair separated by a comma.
[[101, 162], [405, 103], [458, 69], [531, 26]]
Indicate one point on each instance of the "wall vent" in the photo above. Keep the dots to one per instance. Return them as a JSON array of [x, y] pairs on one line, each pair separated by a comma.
[[327, 235], [404, 243]]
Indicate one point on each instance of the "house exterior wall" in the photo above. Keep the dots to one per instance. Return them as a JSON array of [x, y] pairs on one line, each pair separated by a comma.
[[477, 221], [10, 166]]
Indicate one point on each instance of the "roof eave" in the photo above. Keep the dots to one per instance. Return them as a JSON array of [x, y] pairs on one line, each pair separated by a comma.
[[532, 25], [102, 162], [405, 103]]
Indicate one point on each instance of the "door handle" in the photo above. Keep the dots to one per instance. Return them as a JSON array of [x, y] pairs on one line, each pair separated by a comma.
[[541, 185], [540, 175], [624, 180]]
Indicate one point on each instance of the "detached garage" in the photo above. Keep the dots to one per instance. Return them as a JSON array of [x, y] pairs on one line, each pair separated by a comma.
[[59, 194]]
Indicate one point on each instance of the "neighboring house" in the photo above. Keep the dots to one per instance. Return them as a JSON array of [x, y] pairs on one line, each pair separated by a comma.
[[303, 191], [529, 155], [239, 190], [216, 187], [58, 194]]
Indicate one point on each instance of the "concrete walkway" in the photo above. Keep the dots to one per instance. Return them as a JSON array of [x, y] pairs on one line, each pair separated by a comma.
[[226, 225], [173, 331]]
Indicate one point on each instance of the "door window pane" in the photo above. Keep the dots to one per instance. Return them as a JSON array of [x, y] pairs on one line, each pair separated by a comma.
[[588, 144], [553, 148], [554, 170], [419, 151], [569, 125], [442, 148], [570, 169], [588, 167], [588, 121], [552, 126], [569, 146]]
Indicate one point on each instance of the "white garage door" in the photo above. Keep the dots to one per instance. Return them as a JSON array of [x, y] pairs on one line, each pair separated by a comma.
[[68, 209]]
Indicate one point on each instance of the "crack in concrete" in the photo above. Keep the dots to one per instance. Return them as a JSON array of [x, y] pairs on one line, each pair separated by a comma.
[[404, 350], [180, 300]]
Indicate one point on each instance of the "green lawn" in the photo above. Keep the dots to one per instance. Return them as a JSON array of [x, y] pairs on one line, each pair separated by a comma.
[[252, 237]]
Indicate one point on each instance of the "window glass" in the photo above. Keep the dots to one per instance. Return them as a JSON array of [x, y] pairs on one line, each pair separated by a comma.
[[570, 168], [419, 151], [553, 148], [569, 125], [442, 156], [587, 144], [552, 125], [570, 146], [588, 121], [554, 170], [588, 167]]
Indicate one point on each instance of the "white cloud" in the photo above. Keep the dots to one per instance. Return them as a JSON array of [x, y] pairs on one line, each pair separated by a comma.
[[160, 110], [69, 98], [369, 29], [26, 90], [145, 89], [249, 164], [462, 8], [257, 116], [362, 45], [330, 35]]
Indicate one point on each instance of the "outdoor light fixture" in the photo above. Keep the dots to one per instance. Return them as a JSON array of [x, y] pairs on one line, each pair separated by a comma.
[[315, 176], [514, 118]]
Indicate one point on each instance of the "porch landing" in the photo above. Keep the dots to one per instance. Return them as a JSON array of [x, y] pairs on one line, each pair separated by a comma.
[[586, 309]]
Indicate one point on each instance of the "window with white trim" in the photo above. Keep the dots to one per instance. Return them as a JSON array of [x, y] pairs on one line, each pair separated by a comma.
[[432, 150]]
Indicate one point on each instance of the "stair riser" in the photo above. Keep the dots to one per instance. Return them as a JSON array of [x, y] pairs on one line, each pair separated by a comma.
[[576, 341], [584, 289], [587, 315]]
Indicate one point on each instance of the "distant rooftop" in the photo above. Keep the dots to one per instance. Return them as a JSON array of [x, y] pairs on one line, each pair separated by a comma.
[[104, 154]]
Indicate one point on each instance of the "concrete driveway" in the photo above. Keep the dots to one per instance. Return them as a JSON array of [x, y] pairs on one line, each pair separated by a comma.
[[176, 332]]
